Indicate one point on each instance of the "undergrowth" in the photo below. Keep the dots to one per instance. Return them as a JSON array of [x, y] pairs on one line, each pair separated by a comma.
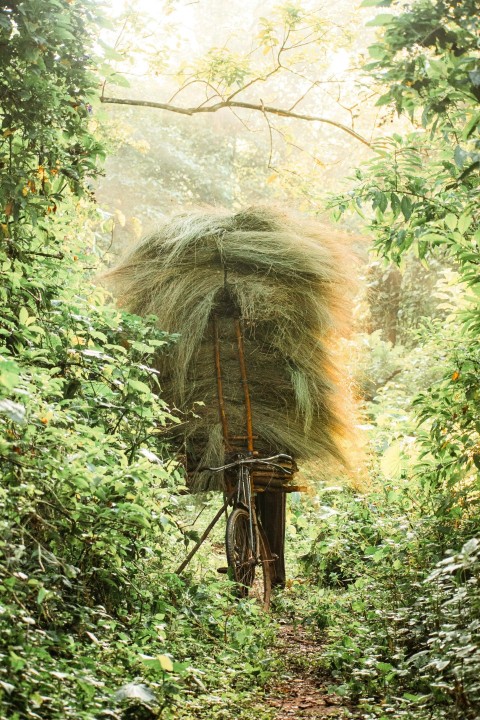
[[401, 618], [93, 621]]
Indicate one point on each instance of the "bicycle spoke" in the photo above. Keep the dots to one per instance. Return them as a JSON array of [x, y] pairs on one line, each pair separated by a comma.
[[250, 565]]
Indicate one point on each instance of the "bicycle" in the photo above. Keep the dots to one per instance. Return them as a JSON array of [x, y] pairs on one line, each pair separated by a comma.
[[249, 559]]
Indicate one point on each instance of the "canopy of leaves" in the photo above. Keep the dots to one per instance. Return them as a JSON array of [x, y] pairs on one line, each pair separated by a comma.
[[45, 143]]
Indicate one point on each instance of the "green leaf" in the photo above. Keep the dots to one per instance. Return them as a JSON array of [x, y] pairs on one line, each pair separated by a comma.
[[142, 347], [437, 68], [433, 238], [376, 51], [381, 20], [395, 204], [451, 221], [406, 207], [23, 315], [42, 594], [380, 201], [384, 99], [470, 126], [464, 222], [384, 667], [376, 3], [9, 373], [139, 386], [393, 461]]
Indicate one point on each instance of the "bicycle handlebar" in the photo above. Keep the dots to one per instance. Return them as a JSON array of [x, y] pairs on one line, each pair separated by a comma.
[[254, 461]]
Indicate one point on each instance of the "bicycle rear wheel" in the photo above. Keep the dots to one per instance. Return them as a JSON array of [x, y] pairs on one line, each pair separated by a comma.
[[251, 570]]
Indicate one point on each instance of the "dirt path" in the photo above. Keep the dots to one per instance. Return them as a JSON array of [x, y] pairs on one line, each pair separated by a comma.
[[301, 691]]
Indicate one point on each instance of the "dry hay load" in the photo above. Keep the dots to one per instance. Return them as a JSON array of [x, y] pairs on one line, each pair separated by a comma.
[[287, 281]]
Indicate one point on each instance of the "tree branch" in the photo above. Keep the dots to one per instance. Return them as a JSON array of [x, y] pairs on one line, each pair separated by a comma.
[[236, 104]]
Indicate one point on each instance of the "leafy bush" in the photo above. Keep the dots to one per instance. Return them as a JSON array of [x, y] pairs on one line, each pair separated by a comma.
[[448, 617], [93, 621], [404, 633], [416, 646]]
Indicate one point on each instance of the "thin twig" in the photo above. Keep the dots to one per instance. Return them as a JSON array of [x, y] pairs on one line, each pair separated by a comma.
[[58, 256], [267, 119]]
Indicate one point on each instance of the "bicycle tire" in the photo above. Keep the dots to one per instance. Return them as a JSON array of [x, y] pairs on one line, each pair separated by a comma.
[[253, 576]]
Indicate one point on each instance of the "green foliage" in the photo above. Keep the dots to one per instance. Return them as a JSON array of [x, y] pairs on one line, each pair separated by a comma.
[[420, 200], [423, 186], [403, 634], [422, 189], [452, 445], [92, 619], [403, 629], [224, 69], [428, 59], [45, 144]]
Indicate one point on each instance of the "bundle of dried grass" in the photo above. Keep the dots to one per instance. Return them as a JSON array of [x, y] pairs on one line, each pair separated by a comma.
[[287, 279]]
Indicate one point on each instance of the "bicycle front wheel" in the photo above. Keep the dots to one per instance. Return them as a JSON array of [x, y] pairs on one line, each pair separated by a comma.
[[250, 566]]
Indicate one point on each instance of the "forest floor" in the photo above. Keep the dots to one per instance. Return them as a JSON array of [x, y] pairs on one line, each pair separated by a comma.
[[301, 690]]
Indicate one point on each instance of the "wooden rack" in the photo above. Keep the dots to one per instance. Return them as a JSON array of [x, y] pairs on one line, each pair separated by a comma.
[[263, 478]]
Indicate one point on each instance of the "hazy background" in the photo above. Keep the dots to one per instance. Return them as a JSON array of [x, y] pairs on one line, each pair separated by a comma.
[[161, 161]]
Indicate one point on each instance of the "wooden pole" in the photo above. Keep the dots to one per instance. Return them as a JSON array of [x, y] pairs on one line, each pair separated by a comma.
[[243, 371], [218, 368], [205, 534]]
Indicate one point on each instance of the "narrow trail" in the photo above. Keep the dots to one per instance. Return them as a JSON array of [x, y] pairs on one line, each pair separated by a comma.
[[301, 690]]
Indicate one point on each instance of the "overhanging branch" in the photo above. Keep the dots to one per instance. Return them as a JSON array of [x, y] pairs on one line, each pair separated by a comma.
[[236, 104]]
